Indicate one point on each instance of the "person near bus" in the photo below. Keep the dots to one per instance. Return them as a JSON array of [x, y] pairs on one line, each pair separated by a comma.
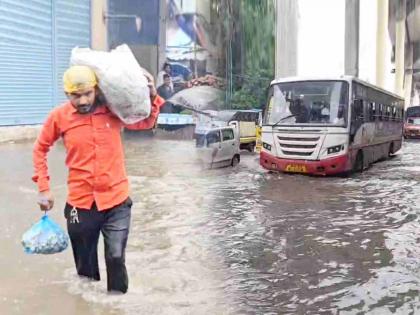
[[166, 90], [98, 191], [166, 70], [299, 110]]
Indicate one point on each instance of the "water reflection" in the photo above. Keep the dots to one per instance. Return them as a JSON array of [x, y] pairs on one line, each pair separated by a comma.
[[230, 241], [243, 241], [333, 243], [267, 243]]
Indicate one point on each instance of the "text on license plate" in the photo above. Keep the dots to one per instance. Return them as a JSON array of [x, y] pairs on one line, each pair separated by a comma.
[[296, 168]]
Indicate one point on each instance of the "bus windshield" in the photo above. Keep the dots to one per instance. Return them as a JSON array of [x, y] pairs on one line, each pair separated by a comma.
[[308, 103]]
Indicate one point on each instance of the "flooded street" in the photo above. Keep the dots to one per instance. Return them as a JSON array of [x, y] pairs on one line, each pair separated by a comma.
[[227, 241]]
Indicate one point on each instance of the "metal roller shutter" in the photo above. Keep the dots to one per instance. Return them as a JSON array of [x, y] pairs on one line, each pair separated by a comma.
[[36, 37], [72, 25], [25, 61]]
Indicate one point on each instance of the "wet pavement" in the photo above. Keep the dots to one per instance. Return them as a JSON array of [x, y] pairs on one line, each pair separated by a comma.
[[228, 241]]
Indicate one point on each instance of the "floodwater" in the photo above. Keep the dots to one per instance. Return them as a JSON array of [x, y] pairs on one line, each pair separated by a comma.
[[227, 241]]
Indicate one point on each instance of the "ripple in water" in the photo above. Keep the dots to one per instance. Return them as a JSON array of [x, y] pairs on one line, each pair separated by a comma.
[[243, 241]]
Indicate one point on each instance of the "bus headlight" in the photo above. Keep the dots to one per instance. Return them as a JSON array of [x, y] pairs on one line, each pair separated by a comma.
[[335, 149], [266, 146]]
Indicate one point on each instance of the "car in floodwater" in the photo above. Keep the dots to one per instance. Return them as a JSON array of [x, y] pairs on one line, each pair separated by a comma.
[[412, 123], [247, 123], [217, 146]]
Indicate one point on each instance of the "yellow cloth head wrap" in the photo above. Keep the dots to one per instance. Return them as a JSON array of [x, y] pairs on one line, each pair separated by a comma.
[[78, 78]]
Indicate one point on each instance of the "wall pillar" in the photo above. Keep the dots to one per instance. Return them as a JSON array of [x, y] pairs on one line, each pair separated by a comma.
[[400, 49], [351, 33], [98, 25], [286, 38], [381, 40]]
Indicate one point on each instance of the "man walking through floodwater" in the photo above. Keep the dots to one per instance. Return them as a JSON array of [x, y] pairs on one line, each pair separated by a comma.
[[98, 199]]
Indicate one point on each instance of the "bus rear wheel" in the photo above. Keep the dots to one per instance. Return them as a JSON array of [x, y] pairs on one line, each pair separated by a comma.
[[391, 149]]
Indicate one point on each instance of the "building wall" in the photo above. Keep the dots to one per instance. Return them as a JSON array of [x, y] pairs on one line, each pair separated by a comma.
[[367, 36], [413, 25], [405, 36], [375, 47], [65, 38], [98, 25], [286, 38], [321, 37], [321, 42], [36, 40]]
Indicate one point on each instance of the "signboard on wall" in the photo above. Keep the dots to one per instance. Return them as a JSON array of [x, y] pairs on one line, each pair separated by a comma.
[[188, 32]]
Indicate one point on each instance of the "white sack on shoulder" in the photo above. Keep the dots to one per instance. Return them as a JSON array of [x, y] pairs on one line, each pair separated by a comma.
[[120, 78]]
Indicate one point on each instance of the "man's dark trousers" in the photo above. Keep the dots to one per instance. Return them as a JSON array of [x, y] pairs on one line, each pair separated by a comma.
[[84, 227]]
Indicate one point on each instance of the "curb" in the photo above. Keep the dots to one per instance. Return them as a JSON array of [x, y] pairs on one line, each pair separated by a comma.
[[19, 133]]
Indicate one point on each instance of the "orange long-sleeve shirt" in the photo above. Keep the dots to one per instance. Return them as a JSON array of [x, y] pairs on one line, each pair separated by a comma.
[[95, 156]]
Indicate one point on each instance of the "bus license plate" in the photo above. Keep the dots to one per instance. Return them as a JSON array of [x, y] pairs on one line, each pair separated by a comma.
[[296, 168]]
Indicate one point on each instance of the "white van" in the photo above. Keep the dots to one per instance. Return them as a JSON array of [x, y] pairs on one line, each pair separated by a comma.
[[247, 123], [217, 146]]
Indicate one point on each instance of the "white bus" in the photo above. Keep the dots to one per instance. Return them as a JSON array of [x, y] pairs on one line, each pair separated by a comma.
[[329, 126]]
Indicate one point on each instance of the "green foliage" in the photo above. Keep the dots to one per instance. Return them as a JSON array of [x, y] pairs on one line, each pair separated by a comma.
[[253, 52], [258, 34], [251, 91], [243, 99]]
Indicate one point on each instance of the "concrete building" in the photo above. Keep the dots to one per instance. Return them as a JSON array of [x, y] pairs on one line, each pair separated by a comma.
[[36, 41], [377, 41], [37, 37]]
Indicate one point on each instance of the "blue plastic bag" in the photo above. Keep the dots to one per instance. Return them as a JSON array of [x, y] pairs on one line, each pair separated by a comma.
[[45, 237]]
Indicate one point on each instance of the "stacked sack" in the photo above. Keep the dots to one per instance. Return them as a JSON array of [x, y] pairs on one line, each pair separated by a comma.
[[120, 78]]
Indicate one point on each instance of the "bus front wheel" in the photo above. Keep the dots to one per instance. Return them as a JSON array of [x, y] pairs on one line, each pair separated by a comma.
[[358, 163], [235, 160]]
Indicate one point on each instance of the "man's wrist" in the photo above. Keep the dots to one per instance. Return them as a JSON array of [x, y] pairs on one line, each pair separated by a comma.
[[43, 186]]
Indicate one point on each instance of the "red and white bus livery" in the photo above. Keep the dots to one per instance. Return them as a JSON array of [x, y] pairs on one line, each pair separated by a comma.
[[329, 126]]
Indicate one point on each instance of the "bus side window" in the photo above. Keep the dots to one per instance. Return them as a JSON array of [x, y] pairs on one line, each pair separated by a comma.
[[394, 113], [357, 117], [372, 111], [366, 111], [380, 111], [358, 109]]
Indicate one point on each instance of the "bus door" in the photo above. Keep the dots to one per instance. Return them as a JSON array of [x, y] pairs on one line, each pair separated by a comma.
[[357, 119]]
